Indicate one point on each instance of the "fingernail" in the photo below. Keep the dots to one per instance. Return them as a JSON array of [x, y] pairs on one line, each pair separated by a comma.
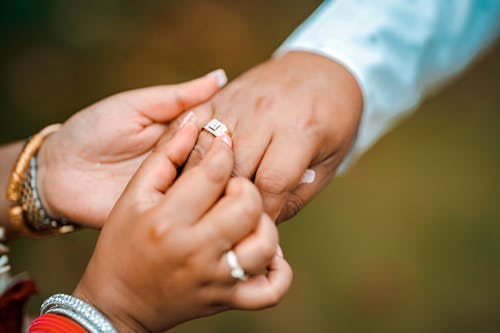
[[308, 177], [279, 251], [227, 140], [220, 76], [190, 116], [4, 260]]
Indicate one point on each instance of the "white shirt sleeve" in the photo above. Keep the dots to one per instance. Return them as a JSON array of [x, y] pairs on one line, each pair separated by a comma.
[[399, 51]]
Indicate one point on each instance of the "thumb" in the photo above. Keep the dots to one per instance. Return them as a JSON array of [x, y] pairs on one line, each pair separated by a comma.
[[159, 169], [164, 103]]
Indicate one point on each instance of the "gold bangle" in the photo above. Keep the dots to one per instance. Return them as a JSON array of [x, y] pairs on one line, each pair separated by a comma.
[[15, 186]]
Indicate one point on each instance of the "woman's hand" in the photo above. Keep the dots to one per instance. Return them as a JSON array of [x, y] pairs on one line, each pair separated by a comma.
[[85, 166], [160, 259]]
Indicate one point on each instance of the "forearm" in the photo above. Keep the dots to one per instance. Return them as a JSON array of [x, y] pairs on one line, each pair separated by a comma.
[[8, 157]]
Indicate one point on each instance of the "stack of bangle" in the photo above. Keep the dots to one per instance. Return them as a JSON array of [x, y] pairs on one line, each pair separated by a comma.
[[79, 311], [27, 216], [35, 214]]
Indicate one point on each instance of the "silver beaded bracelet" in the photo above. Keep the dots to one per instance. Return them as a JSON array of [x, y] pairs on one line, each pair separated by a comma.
[[79, 311]]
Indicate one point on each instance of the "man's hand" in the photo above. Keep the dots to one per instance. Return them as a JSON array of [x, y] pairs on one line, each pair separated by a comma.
[[85, 166], [293, 113]]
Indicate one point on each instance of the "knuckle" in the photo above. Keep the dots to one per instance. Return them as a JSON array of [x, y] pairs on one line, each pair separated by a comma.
[[179, 100], [250, 200], [251, 209], [248, 189], [273, 182], [267, 249], [158, 231], [164, 227], [292, 206], [264, 103], [198, 152], [240, 169], [235, 184]]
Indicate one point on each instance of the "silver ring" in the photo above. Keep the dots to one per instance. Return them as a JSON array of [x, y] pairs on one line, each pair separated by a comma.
[[216, 128], [236, 270]]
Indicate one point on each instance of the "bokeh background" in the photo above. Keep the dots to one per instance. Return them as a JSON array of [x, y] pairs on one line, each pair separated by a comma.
[[408, 241]]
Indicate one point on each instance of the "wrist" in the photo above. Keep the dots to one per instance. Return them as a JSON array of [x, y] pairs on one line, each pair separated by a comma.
[[112, 306], [334, 86], [45, 163], [334, 74], [26, 213]]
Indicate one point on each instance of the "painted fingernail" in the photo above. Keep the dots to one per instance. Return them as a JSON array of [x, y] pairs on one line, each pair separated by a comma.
[[279, 251], [227, 140], [220, 76], [189, 117], [308, 177]]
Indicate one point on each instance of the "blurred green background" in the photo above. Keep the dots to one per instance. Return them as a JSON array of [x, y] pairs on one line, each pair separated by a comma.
[[408, 241]]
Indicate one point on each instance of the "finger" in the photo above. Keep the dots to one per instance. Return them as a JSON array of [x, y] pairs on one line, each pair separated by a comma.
[[197, 190], [263, 291], [250, 136], [251, 140], [204, 113], [281, 169], [159, 169], [214, 108], [235, 216], [163, 103], [314, 180], [256, 251]]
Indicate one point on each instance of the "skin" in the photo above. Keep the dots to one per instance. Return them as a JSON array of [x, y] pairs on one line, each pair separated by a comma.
[[84, 167], [163, 245], [286, 115], [291, 113]]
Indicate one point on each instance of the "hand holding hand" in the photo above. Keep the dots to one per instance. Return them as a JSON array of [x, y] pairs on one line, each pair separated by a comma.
[[160, 258], [293, 113], [85, 166]]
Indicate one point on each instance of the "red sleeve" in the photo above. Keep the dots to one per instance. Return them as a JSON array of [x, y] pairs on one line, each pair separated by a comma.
[[52, 323]]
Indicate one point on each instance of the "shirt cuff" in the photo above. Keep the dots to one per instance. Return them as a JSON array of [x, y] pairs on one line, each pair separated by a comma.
[[348, 36]]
